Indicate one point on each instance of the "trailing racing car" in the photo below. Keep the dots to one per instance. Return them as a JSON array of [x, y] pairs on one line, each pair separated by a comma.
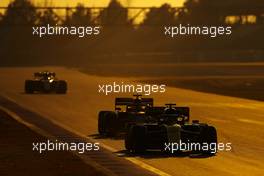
[[45, 82], [127, 111], [170, 132]]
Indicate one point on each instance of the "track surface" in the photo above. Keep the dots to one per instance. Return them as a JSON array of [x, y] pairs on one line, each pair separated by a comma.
[[15, 152], [238, 121]]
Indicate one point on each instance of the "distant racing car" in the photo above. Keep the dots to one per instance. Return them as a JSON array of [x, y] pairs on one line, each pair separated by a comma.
[[127, 111], [45, 82], [171, 128]]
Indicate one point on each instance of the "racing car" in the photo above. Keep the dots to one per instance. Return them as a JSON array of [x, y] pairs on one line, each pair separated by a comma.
[[127, 111], [45, 82], [172, 128]]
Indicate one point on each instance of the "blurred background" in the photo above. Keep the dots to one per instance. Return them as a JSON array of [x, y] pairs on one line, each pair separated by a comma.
[[132, 41]]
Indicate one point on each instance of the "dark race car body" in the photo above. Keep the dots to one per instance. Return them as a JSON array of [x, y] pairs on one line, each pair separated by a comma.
[[171, 129], [45, 82], [127, 110]]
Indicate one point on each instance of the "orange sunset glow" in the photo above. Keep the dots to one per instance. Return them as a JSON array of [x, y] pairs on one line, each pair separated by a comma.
[[134, 3]]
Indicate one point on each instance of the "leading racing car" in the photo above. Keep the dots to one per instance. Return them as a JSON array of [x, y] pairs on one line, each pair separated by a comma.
[[170, 131], [45, 82]]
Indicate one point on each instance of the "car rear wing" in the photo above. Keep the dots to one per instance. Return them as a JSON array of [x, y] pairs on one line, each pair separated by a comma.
[[159, 110], [40, 74], [132, 101], [156, 110]]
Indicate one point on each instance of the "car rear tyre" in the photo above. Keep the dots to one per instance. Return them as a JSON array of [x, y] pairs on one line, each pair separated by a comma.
[[136, 139], [62, 87], [112, 124], [102, 124], [209, 136], [29, 87], [129, 139]]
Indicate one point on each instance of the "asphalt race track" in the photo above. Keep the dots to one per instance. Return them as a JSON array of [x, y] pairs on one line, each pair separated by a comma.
[[237, 120]]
